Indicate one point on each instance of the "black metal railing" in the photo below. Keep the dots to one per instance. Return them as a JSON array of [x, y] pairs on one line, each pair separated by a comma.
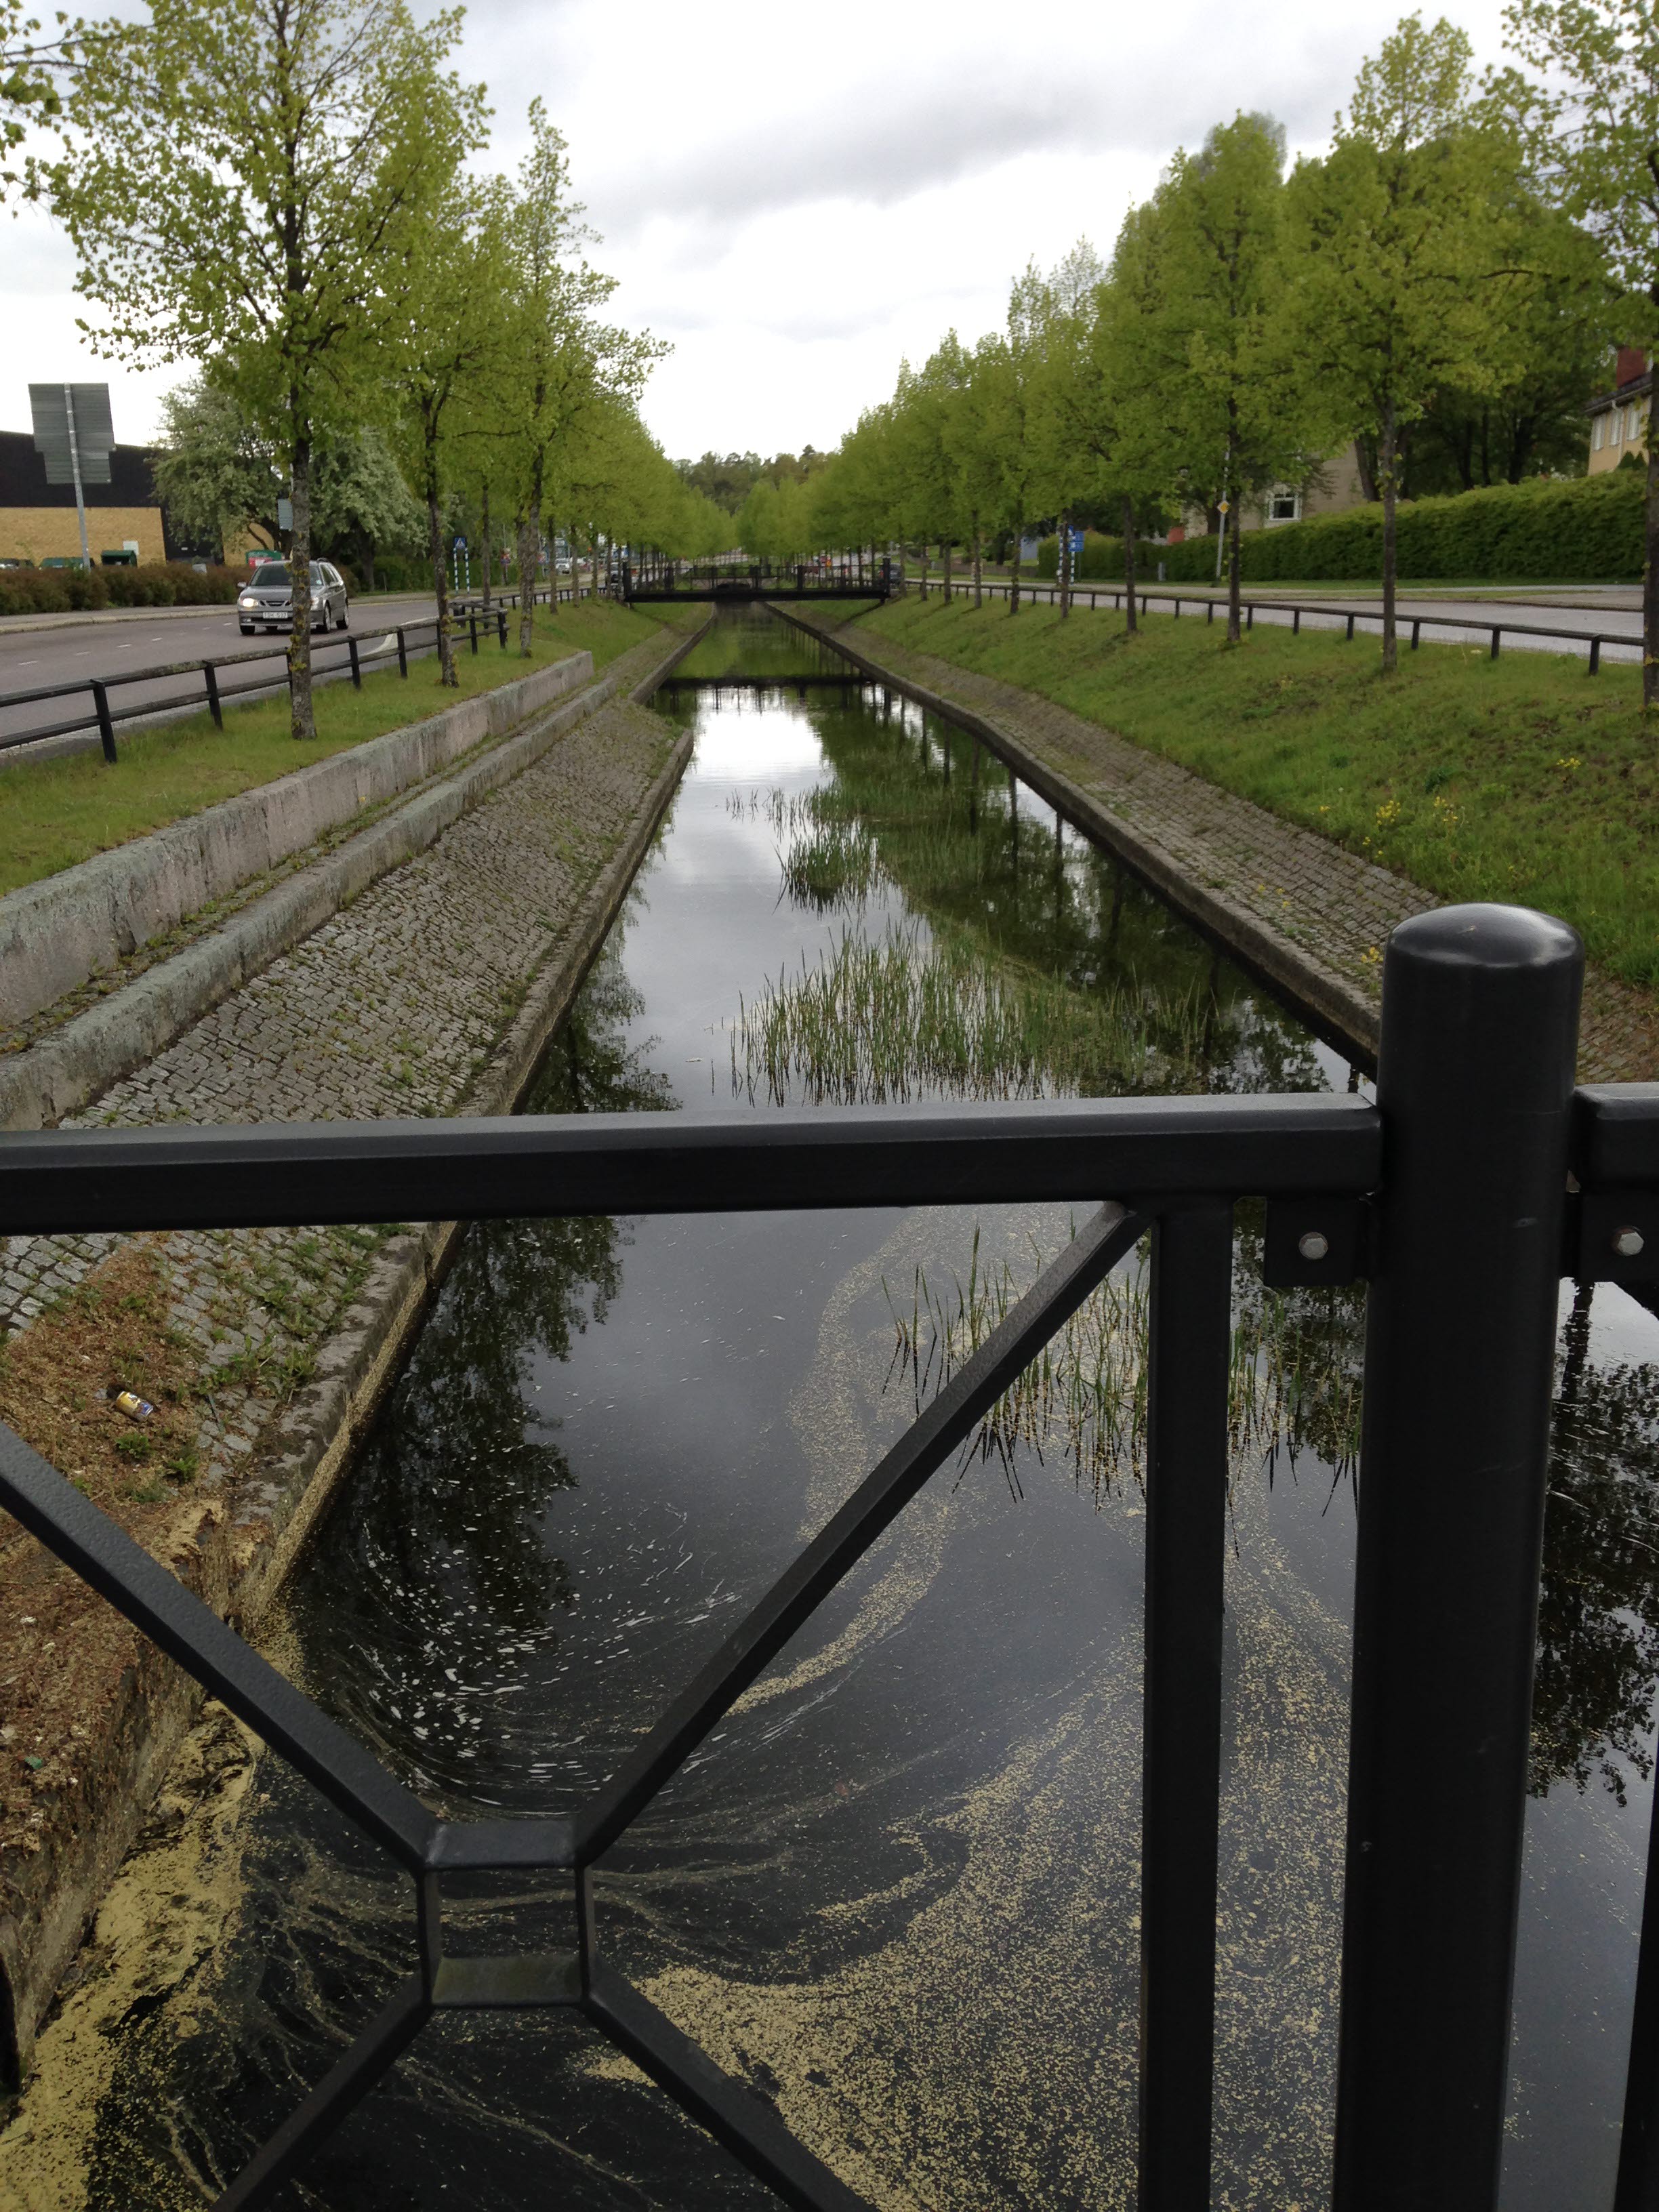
[[469, 618], [1462, 1195], [759, 579], [1093, 595]]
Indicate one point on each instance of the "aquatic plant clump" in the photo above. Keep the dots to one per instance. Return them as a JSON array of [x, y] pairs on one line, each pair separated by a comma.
[[909, 1016], [1293, 1378]]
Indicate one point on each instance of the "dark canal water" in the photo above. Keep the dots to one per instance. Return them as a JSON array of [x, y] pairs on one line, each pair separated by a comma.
[[897, 1889]]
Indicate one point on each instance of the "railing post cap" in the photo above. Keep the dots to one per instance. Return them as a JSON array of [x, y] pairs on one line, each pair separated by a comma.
[[1486, 936]]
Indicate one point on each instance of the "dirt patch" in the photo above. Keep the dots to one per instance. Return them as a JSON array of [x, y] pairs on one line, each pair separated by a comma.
[[62, 1648]]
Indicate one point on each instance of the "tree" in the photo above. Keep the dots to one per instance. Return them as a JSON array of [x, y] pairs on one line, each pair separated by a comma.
[[216, 475], [1240, 397], [1015, 374], [360, 504], [219, 478], [238, 182], [1595, 121], [558, 364], [446, 328], [29, 69], [1396, 274], [1140, 370]]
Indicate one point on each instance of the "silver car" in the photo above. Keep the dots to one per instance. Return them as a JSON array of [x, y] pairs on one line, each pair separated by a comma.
[[266, 601]]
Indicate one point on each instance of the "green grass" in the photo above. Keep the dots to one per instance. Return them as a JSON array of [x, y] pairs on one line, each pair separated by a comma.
[[1522, 780], [58, 812]]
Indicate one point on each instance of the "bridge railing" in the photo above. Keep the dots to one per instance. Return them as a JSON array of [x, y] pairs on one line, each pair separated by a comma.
[[1475, 1182]]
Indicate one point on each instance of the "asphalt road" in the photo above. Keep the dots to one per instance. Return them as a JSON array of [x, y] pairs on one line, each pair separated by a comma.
[[32, 659]]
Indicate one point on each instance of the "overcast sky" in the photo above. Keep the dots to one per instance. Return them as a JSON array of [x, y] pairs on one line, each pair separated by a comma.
[[796, 200]]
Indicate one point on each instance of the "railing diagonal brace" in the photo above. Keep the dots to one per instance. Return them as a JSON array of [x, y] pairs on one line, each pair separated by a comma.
[[373, 2055], [734, 2114], [919, 1452], [106, 1558]]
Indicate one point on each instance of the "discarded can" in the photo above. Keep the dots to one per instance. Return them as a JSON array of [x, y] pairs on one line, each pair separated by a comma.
[[135, 1407]]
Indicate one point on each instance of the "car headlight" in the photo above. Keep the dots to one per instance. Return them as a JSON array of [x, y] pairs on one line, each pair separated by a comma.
[[248, 602]]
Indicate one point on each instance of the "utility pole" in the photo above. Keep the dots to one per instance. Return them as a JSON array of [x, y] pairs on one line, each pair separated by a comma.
[[75, 464]]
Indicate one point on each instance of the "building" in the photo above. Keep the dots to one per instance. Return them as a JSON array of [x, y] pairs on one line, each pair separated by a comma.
[[1332, 489], [37, 520], [1618, 419]]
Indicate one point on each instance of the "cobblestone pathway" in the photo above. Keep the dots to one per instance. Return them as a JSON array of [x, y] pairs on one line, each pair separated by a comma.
[[1334, 907], [391, 1008]]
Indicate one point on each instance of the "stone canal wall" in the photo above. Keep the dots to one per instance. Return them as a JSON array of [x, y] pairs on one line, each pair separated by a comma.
[[1311, 917], [432, 992]]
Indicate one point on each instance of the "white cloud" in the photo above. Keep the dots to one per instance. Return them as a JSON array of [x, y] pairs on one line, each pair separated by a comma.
[[795, 201]]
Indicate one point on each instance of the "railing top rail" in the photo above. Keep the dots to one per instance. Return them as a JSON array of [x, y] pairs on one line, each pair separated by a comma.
[[694, 1161], [1616, 1137]]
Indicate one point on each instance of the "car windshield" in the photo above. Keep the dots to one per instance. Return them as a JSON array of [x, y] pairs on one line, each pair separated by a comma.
[[271, 572]]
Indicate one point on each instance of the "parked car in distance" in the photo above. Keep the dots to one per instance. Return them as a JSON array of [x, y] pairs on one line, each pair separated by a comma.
[[266, 601]]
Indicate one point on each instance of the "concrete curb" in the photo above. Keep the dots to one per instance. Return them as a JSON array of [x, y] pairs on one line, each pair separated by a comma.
[[1331, 1002], [56, 935], [238, 1568], [66, 1069]]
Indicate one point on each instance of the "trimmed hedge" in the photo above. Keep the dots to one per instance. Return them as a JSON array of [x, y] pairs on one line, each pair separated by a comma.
[[1587, 530], [169, 583]]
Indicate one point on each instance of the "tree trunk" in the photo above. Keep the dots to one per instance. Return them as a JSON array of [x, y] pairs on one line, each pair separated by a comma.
[[922, 547], [446, 675], [1013, 572], [489, 556], [979, 565], [1129, 559], [1234, 565], [302, 719], [526, 583], [1651, 579], [944, 555], [1367, 474], [1388, 475], [1063, 564]]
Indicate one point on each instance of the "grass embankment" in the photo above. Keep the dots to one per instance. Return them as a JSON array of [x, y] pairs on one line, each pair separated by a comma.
[[1524, 780], [56, 812]]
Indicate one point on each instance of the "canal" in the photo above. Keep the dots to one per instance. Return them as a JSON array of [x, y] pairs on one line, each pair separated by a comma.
[[897, 1891]]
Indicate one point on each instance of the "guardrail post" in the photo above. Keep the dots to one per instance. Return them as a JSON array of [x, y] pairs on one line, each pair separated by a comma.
[[1209, 610], [106, 727], [1417, 631], [1350, 629], [211, 676], [1595, 656], [356, 668], [500, 624], [1496, 634], [472, 628], [1476, 1067], [403, 652]]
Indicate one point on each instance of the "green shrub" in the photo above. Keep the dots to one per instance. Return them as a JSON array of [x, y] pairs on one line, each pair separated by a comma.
[[161, 584], [1588, 529]]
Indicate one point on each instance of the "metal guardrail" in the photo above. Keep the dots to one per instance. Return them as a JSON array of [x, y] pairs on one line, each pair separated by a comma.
[[466, 615], [1092, 594], [1476, 1181]]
